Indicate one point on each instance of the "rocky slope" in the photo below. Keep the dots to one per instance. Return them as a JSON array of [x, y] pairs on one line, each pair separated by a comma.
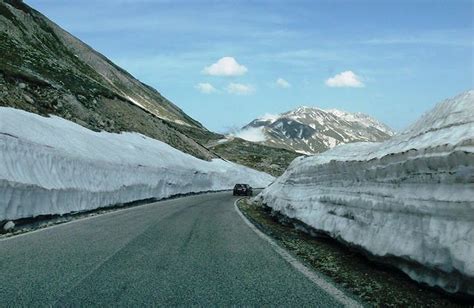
[[312, 130], [45, 70]]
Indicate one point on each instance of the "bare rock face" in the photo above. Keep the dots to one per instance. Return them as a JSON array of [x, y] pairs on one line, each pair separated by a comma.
[[46, 70]]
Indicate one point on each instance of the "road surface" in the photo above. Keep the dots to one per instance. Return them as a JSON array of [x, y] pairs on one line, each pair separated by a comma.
[[194, 250]]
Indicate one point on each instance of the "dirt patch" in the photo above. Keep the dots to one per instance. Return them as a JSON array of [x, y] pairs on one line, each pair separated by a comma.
[[373, 283]]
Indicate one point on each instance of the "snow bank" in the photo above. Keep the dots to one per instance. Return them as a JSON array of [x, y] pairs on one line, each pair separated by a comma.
[[53, 166], [409, 199]]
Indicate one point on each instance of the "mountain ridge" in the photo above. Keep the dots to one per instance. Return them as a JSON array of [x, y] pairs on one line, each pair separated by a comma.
[[311, 130]]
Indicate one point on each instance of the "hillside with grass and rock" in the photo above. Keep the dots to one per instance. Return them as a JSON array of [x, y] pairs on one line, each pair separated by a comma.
[[46, 70], [261, 157]]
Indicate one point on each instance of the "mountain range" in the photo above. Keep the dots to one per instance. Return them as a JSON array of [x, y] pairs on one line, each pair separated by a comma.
[[311, 130]]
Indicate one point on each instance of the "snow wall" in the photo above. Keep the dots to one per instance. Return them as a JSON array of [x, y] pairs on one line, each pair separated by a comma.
[[409, 199], [53, 166]]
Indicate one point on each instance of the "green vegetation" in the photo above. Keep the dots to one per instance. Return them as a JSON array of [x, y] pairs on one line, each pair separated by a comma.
[[257, 156]]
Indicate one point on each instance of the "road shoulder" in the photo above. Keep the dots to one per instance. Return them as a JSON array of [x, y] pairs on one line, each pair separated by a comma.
[[370, 282], [317, 279]]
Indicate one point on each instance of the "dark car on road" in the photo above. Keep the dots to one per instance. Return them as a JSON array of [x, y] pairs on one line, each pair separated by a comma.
[[243, 190]]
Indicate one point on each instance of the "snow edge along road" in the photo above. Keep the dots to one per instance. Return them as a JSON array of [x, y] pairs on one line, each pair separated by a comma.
[[320, 282], [108, 211]]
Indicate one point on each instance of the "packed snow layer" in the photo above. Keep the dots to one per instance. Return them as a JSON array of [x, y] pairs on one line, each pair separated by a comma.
[[53, 166], [409, 199]]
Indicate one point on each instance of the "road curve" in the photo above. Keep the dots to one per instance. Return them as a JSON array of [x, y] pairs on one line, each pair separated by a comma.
[[194, 250]]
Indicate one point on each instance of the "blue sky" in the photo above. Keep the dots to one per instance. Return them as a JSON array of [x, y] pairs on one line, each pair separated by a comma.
[[391, 59]]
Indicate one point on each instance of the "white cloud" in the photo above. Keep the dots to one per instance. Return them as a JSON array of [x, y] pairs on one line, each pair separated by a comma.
[[269, 117], [254, 134], [205, 88], [282, 83], [226, 66], [345, 79], [240, 89]]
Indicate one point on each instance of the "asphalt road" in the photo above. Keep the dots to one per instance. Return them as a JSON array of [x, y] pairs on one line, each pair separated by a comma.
[[195, 250]]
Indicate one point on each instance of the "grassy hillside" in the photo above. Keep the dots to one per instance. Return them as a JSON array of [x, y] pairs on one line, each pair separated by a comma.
[[257, 156], [46, 70]]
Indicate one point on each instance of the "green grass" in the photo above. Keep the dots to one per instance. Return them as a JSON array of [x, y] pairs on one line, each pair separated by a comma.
[[257, 156]]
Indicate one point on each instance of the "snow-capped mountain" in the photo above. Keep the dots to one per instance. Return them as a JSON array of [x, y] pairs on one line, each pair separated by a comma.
[[311, 130]]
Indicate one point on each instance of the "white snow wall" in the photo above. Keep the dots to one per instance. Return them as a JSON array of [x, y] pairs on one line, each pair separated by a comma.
[[53, 166], [409, 200]]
